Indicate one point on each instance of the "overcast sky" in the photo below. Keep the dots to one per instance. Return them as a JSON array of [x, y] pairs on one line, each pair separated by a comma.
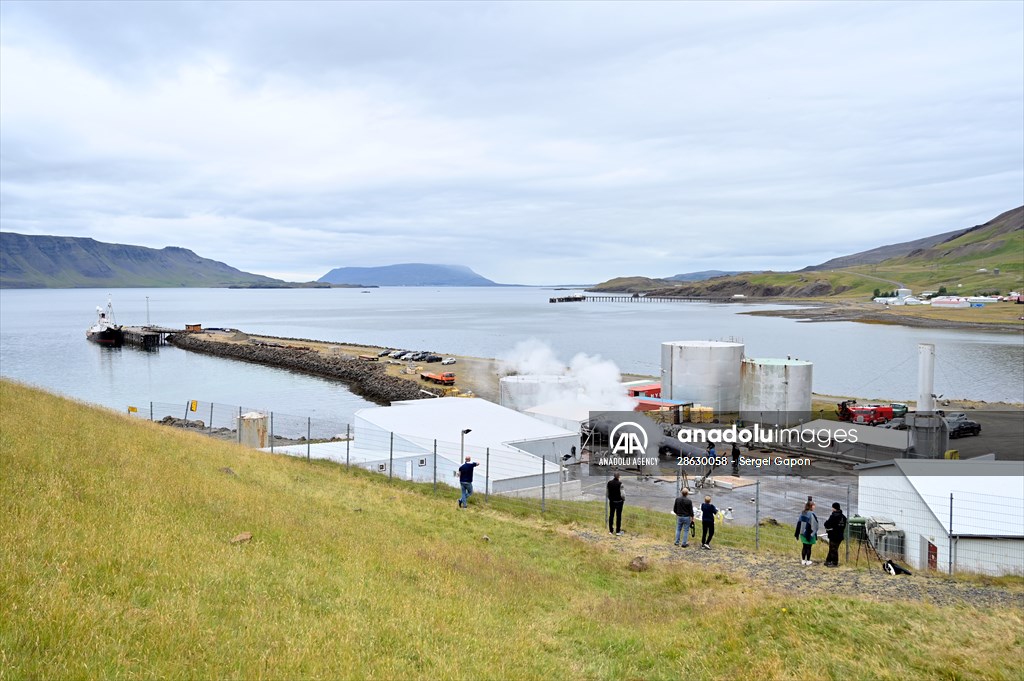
[[537, 143]]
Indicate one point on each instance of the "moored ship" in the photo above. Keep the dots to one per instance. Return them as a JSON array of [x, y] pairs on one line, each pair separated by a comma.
[[106, 331]]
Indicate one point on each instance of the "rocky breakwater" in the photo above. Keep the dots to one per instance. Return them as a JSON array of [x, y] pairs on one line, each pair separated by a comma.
[[367, 379]]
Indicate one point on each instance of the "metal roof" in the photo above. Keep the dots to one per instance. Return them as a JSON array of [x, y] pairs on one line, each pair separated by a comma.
[[445, 418], [987, 496]]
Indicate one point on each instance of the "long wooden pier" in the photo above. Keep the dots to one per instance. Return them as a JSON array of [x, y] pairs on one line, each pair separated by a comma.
[[637, 298]]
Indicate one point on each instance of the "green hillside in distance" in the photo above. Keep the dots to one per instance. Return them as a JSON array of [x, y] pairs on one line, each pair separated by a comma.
[[72, 262], [117, 562], [981, 259]]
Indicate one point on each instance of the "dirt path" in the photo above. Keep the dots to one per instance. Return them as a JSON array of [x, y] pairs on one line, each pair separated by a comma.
[[785, 575]]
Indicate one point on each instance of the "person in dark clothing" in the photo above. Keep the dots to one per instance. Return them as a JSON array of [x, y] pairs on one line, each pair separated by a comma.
[[807, 532], [466, 481], [683, 509], [835, 529], [735, 459], [707, 522], [615, 504]]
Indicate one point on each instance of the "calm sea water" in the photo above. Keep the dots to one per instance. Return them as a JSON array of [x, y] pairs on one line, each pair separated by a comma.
[[42, 342]]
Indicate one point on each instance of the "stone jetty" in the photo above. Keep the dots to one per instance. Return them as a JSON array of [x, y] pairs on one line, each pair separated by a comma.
[[367, 379]]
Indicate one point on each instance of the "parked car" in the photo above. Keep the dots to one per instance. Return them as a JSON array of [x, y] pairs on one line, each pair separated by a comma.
[[406, 357], [964, 427], [384, 353], [895, 424], [448, 360], [430, 359], [396, 354]]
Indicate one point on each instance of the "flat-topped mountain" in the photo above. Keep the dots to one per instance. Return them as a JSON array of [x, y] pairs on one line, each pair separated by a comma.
[[407, 274], [28, 261]]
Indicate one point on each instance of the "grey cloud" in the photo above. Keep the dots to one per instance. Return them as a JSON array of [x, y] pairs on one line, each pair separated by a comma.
[[593, 138]]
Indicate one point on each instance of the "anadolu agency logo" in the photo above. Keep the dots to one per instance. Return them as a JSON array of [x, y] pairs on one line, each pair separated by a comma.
[[628, 439]]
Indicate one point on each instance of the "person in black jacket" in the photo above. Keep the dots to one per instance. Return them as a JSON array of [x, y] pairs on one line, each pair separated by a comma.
[[707, 523], [683, 509], [615, 504], [835, 529]]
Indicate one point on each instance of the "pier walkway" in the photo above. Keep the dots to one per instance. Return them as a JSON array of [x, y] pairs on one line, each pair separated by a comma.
[[638, 298]]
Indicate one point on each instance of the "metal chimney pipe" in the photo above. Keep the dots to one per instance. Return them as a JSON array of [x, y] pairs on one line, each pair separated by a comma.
[[925, 378]]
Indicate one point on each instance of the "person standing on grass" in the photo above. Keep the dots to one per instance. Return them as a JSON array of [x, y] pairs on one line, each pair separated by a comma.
[[807, 533], [466, 481], [615, 503], [835, 529], [683, 509], [707, 523]]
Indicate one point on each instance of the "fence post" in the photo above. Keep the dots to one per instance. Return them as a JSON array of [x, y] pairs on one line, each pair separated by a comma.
[[435, 465], [950, 533], [238, 426], [846, 533], [271, 432], [348, 443], [561, 474], [391, 456], [309, 430], [757, 516], [151, 411], [211, 418], [186, 413], [543, 487], [487, 475]]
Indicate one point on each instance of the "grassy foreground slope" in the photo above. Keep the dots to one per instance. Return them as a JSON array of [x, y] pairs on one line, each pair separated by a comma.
[[116, 562]]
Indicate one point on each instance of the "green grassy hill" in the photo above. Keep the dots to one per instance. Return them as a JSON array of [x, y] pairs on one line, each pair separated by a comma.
[[953, 263], [116, 562]]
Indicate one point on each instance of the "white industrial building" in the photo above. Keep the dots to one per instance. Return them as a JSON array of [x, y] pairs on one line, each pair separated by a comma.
[[775, 390], [702, 372], [967, 516], [516, 452]]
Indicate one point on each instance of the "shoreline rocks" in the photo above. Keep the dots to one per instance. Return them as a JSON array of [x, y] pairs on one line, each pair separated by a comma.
[[366, 379]]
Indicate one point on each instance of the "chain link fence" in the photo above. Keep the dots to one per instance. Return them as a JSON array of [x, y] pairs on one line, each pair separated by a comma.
[[961, 532]]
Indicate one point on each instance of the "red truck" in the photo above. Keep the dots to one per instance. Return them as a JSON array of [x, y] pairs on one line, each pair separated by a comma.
[[447, 378], [869, 414]]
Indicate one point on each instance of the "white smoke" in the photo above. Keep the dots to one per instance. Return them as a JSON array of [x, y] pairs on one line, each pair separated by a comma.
[[588, 379]]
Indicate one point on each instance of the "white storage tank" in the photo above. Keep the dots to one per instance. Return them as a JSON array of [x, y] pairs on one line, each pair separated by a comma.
[[776, 391], [525, 392], [706, 372]]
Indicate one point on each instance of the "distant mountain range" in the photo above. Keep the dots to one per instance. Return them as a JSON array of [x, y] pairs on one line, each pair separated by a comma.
[[73, 262], [980, 259], [407, 274]]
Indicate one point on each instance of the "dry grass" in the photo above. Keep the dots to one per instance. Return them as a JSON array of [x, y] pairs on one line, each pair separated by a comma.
[[116, 562]]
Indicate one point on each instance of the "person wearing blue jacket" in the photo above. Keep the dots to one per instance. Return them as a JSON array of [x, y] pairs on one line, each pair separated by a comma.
[[707, 523], [807, 532]]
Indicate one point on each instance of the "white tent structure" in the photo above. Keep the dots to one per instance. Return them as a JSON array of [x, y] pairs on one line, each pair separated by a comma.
[[954, 515], [423, 440]]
